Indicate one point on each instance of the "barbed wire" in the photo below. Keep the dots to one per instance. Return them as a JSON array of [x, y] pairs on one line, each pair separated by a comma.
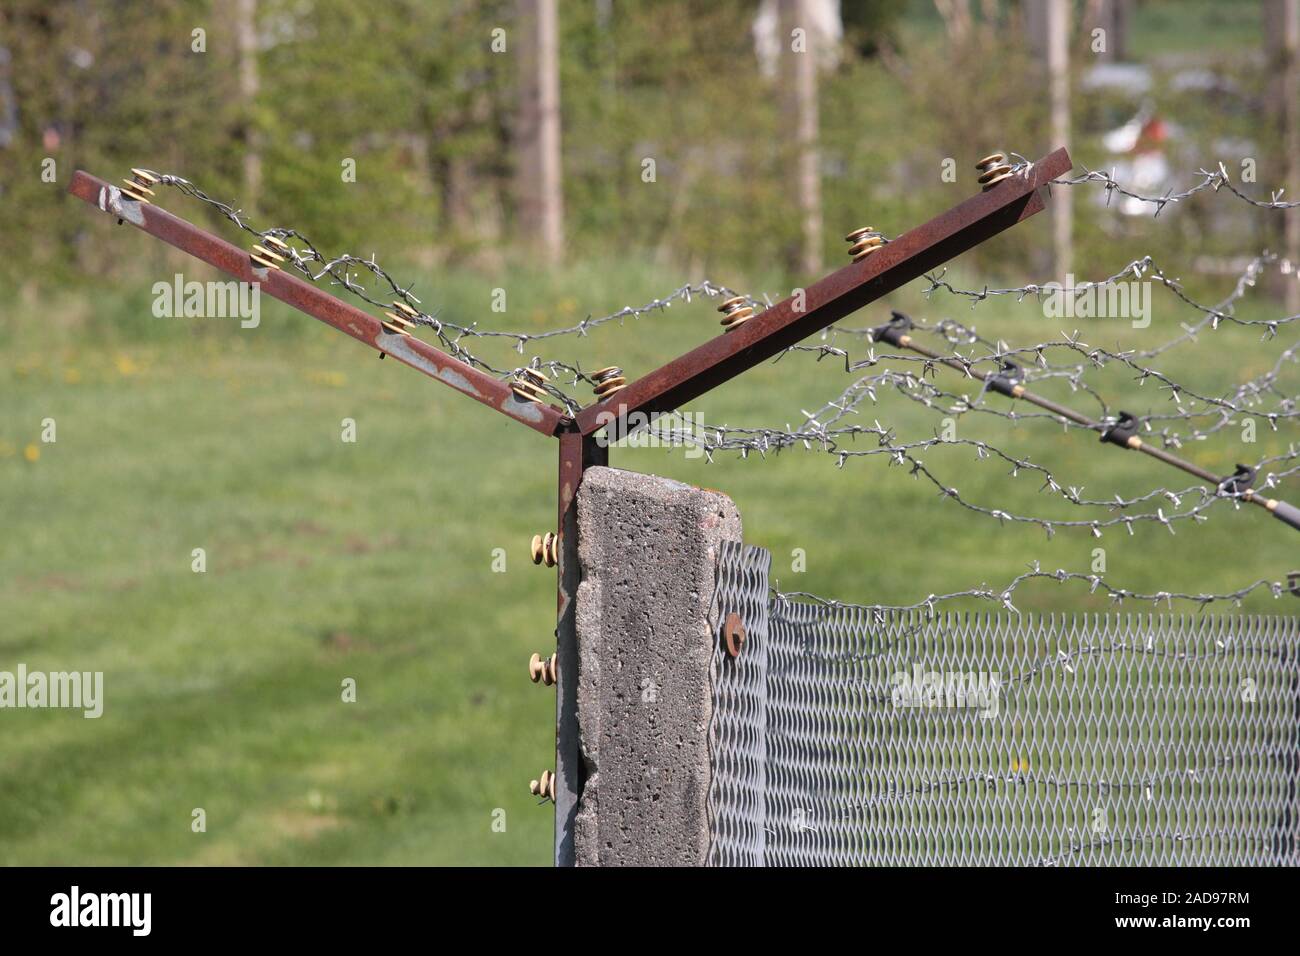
[[1214, 181], [821, 429], [343, 270], [1240, 402], [924, 392], [818, 431], [958, 333], [1243, 401], [1003, 595]]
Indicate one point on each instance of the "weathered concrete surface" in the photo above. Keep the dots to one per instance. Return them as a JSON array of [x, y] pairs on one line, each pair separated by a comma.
[[648, 550]]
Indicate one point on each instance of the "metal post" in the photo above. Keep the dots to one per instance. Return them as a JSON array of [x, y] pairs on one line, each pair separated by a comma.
[[578, 452]]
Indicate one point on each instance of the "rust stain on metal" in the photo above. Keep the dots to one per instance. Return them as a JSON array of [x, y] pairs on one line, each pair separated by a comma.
[[733, 634]]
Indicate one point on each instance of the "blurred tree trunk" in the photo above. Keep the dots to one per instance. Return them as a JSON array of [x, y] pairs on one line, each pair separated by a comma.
[[246, 48], [799, 82], [8, 105], [457, 177], [1281, 40], [1113, 17], [1048, 25], [956, 18], [538, 178]]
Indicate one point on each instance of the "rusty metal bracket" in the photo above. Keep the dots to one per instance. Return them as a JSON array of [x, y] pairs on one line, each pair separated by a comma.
[[828, 300], [316, 302]]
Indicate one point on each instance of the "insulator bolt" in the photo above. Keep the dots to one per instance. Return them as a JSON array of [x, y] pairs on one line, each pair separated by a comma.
[[993, 169], [607, 381], [543, 787], [545, 547], [736, 311], [527, 385], [863, 242], [542, 670]]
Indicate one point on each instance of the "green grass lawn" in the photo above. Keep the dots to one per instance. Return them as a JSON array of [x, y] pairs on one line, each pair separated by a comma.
[[373, 560]]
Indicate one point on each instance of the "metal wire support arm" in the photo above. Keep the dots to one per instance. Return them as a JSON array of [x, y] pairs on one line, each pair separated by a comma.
[[315, 302], [1123, 433], [829, 299]]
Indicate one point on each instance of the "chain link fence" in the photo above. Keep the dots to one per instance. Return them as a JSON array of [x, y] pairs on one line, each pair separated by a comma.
[[846, 735]]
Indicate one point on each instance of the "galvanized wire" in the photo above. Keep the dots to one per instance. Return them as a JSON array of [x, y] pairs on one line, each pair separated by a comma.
[[1211, 181], [851, 735], [821, 431], [345, 270]]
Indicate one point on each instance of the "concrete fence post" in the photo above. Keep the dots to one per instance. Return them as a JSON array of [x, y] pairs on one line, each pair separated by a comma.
[[648, 553]]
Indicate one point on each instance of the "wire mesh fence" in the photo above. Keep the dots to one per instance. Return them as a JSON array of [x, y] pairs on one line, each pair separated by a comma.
[[845, 735]]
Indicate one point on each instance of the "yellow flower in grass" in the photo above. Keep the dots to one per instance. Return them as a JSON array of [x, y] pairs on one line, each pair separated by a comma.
[[126, 366], [32, 452], [332, 379], [71, 375]]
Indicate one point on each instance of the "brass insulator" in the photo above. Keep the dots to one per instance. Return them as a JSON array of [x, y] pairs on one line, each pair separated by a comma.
[[993, 169], [994, 176], [265, 257], [865, 247], [546, 548], [527, 386], [736, 311], [145, 177], [543, 671], [403, 307], [863, 242], [276, 243], [268, 254], [528, 393], [537, 376], [396, 324], [607, 381], [543, 787], [138, 187], [135, 191]]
